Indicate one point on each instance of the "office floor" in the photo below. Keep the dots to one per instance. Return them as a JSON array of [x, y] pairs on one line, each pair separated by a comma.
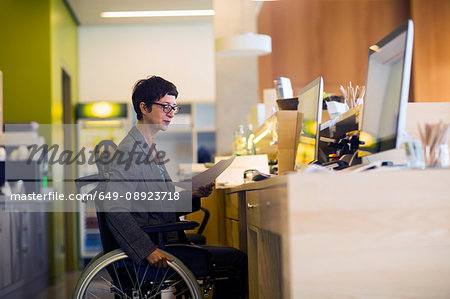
[[62, 289]]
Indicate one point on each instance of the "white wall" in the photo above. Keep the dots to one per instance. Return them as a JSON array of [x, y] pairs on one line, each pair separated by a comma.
[[113, 57], [236, 77]]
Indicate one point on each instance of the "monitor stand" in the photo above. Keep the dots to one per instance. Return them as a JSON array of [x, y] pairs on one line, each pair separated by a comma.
[[397, 155]]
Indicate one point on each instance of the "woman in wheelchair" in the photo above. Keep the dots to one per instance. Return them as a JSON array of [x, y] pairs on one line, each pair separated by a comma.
[[143, 219]]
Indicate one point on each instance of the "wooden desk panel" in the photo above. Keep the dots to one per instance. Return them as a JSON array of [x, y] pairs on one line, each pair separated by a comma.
[[350, 235], [370, 235], [214, 232], [231, 206], [267, 209], [265, 225]]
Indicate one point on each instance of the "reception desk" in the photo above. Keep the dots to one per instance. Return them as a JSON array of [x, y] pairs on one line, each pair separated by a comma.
[[340, 235]]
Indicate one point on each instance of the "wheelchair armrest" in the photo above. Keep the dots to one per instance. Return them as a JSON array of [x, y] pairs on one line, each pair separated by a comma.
[[80, 182], [205, 220], [169, 227]]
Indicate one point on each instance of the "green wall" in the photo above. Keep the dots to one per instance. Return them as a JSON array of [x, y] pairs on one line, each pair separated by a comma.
[[39, 38], [64, 55], [25, 60]]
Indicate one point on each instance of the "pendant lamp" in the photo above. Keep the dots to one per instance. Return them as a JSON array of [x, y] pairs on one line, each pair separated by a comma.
[[244, 45]]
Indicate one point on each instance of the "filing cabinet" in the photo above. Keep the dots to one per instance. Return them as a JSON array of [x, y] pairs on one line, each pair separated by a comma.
[[235, 220], [232, 219], [264, 238], [24, 253], [5, 245]]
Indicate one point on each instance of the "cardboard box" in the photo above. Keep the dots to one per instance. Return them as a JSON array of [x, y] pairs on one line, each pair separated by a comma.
[[289, 126]]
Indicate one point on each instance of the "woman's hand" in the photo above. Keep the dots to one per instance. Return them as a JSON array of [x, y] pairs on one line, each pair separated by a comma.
[[158, 259], [203, 191]]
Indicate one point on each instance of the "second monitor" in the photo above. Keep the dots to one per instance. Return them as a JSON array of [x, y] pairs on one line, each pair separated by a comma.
[[310, 104], [387, 90]]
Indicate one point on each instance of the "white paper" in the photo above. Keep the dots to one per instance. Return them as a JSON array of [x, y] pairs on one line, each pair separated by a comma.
[[335, 108], [234, 175], [209, 175]]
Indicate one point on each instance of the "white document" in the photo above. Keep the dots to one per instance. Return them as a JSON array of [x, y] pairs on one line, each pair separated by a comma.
[[209, 175], [234, 175]]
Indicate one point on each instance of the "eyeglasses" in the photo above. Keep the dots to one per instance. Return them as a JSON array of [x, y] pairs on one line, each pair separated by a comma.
[[167, 108]]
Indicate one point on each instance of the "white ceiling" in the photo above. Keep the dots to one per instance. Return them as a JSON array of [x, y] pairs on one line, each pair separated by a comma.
[[88, 11]]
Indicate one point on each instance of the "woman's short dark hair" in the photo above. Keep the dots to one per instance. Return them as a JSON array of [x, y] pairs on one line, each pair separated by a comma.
[[151, 90]]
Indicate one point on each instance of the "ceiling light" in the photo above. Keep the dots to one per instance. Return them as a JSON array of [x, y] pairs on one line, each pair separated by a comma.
[[157, 13]]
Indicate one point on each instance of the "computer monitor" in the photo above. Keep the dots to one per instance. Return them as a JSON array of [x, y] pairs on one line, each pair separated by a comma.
[[310, 104], [387, 90]]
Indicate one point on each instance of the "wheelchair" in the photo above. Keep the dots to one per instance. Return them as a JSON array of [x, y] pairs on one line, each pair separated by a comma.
[[115, 275]]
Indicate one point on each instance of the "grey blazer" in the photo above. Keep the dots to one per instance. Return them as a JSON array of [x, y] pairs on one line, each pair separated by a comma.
[[125, 220]]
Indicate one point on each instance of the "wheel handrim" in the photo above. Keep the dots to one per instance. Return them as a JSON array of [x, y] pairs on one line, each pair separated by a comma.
[[185, 280]]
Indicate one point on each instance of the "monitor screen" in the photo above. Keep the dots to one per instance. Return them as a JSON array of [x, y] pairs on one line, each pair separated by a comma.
[[387, 90], [310, 104]]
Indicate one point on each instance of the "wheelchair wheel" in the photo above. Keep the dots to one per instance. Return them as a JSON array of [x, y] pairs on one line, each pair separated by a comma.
[[114, 275]]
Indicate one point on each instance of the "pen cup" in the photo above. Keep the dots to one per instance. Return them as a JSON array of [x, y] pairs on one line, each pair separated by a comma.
[[435, 139]]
